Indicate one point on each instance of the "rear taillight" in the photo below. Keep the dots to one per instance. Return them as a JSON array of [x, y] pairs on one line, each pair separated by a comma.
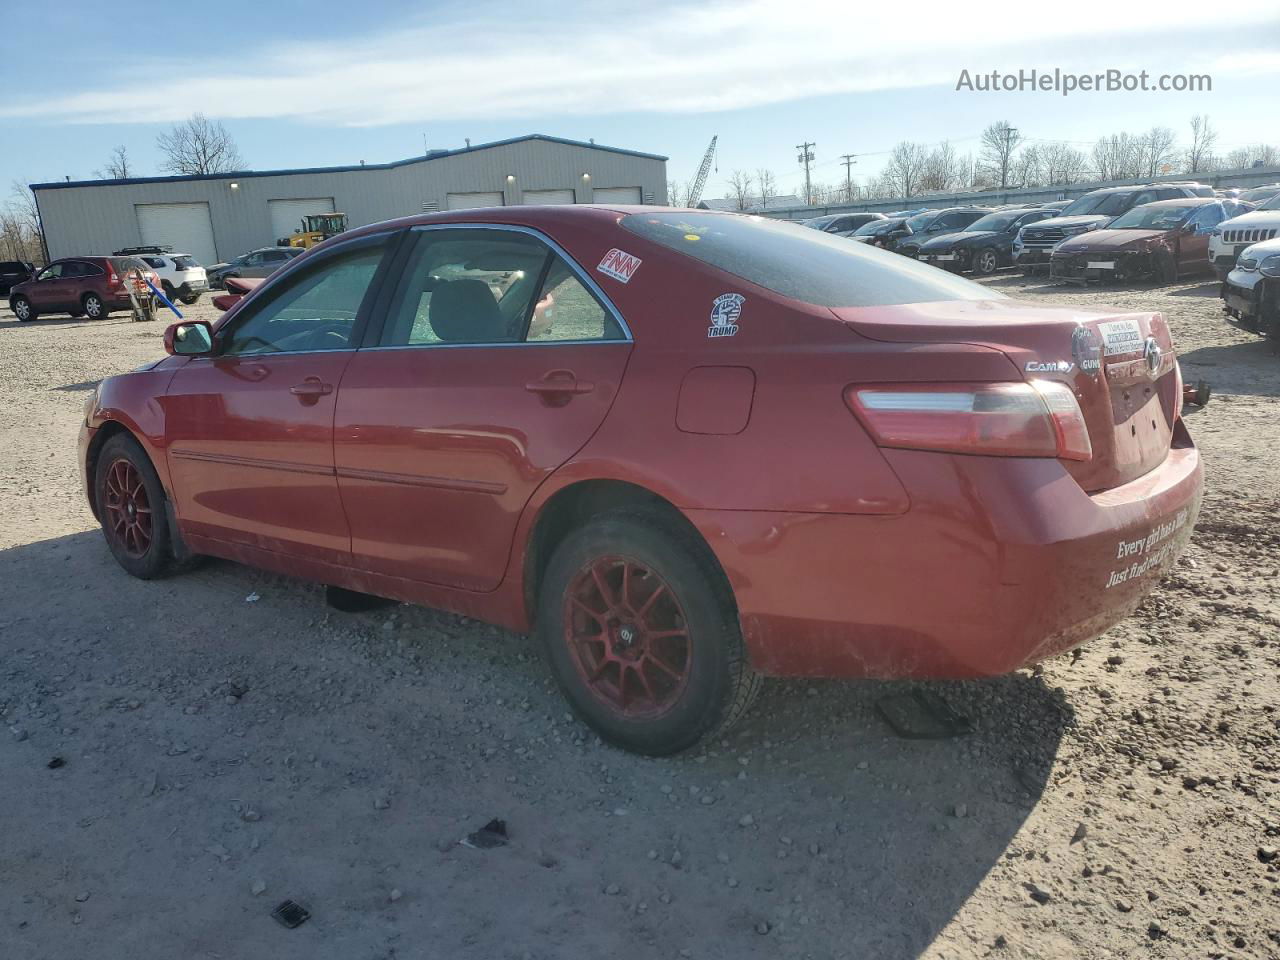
[[113, 278], [1036, 419]]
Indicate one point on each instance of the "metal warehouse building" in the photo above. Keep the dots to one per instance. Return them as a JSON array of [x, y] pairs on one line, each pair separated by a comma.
[[219, 216]]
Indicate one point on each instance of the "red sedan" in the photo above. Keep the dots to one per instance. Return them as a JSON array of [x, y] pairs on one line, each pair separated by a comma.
[[686, 449]]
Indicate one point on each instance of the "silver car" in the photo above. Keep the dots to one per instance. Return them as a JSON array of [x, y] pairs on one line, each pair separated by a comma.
[[256, 263]]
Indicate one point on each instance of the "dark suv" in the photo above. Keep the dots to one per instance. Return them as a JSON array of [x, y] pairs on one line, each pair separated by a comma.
[[933, 223], [1034, 247], [14, 272], [81, 286]]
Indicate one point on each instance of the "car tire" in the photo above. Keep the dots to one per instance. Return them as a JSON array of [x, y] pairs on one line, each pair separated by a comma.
[[640, 631], [22, 309], [189, 299], [986, 262], [168, 290], [133, 511], [93, 306]]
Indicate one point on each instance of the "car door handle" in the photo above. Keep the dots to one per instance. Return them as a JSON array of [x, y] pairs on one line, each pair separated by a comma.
[[560, 383], [311, 388]]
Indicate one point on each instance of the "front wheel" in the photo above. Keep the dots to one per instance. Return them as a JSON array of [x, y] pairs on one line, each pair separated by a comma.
[[641, 634], [986, 262], [189, 300], [22, 309], [131, 508]]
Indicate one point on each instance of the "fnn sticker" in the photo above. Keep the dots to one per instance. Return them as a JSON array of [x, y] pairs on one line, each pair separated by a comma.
[[619, 265], [1120, 336], [725, 311]]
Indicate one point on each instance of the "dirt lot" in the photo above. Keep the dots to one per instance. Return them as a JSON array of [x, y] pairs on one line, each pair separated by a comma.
[[222, 755]]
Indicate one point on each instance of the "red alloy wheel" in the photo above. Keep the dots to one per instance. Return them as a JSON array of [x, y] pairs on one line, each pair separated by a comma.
[[127, 509], [628, 637]]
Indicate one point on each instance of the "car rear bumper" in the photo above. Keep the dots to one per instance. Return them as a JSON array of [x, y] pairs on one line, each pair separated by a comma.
[[999, 563]]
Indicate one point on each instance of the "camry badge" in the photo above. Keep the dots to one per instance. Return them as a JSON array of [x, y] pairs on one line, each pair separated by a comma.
[[1086, 351], [1152, 353], [1051, 366]]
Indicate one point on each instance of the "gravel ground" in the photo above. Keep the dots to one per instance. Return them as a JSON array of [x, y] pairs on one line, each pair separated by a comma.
[[221, 754]]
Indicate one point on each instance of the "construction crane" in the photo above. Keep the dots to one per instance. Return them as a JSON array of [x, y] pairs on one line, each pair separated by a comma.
[[704, 171]]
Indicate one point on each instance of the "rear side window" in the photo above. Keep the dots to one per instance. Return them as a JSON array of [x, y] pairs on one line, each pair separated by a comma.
[[805, 265]]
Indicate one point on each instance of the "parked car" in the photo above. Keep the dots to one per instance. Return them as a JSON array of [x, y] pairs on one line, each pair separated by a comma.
[[843, 224], [1034, 245], [181, 278], [1251, 292], [876, 232], [1244, 229], [14, 272], [82, 286], [985, 245], [376, 416], [932, 223], [1260, 194], [1165, 241], [256, 263]]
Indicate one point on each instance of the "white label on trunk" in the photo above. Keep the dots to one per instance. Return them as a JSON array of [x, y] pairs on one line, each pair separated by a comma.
[[1102, 264], [1120, 336]]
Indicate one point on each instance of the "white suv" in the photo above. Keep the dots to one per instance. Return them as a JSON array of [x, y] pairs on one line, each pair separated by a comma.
[[180, 276], [1230, 237]]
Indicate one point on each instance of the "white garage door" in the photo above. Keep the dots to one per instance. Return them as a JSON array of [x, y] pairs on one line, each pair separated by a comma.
[[547, 196], [615, 195], [183, 226], [286, 215], [469, 201]]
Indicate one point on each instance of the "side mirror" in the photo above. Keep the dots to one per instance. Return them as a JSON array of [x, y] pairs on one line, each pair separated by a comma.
[[192, 339]]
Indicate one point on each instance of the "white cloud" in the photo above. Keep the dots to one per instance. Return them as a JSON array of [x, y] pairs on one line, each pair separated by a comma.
[[604, 59]]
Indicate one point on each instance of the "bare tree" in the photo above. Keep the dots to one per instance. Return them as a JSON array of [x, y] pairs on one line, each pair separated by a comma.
[[999, 142], [942, 170], [905, 166], [20, 228], [1156, 153], [117, 166], [740, 188], [1200, 154], [1061, 163], [1117, 156], [768, 185], [199, 145], [1256, 154]]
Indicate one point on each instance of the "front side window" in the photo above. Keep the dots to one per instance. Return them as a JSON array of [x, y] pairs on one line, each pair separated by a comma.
[[314, 311], [474, 286], [51, 272], [1207, 217]]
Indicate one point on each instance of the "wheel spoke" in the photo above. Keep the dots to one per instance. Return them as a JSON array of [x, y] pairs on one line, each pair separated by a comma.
[[644, 682], [670, 671], [648, 604], [626, 584], [598, 617], [664, 634], [606, 594]]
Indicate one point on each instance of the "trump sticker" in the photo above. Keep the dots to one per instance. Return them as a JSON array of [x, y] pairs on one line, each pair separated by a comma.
[[725, 311], [619, 265]]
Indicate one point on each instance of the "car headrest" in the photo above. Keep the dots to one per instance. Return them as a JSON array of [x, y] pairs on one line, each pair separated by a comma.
[[465, 311]]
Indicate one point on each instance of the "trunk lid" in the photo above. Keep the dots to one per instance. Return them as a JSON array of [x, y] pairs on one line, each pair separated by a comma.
[[1119, 365]]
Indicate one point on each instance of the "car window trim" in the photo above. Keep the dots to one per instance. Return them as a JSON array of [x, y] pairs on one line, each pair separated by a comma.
[[362, 312], [406, 246]]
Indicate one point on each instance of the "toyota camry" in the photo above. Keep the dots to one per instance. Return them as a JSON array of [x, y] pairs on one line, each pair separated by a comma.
[[685, 450]]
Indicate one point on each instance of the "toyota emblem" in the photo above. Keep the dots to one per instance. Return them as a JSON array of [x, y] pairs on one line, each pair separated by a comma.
[[1152, 353]]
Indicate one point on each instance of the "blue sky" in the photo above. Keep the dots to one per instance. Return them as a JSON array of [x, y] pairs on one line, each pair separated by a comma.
[[323, 82]]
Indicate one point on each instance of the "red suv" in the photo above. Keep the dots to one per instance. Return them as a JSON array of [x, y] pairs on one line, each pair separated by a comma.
[[81, 286], [686, 449]]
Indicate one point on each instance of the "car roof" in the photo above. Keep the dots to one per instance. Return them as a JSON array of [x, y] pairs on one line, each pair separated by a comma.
[[1183, 202]]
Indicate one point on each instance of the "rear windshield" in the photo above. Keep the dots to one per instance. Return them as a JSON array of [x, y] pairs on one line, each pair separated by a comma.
[[1103, 204], [873, 227], [184, 263], [802, 264], [125, 264]]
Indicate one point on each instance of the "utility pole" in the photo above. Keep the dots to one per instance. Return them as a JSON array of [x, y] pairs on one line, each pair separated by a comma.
[[848, 160], [1009, 134], [806, 157]]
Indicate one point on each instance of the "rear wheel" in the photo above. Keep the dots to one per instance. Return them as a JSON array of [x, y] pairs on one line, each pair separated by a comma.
[[641, 634], [22, 308], [986, 262], [189, 299], [131, 508], [93, 306]]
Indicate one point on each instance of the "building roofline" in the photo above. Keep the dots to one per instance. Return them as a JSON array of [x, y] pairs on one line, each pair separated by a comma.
[[433, 155]]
